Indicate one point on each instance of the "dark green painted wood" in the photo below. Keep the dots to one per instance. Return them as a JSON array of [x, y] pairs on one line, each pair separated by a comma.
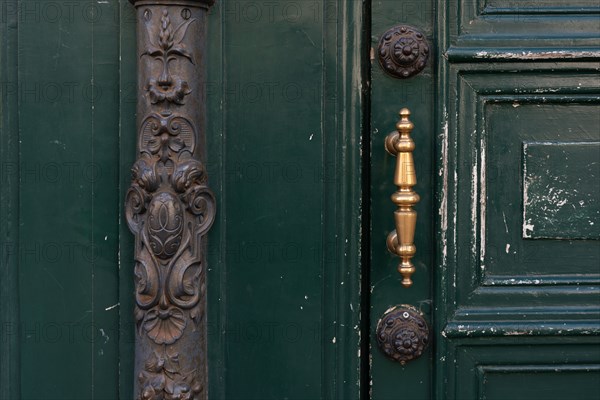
[[284, 128], [287, 90], [390, 380], [516, 317], [9, 210], [534, 368], [283, 280], [68, 82], [127, 153], [561, 183], [283, 270], [497, 265]]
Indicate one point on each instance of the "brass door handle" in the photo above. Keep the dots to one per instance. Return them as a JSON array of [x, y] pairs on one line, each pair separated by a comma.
[[401, 241]]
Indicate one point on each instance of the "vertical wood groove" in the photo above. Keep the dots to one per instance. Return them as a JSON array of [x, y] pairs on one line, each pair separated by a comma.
[[9, 210]]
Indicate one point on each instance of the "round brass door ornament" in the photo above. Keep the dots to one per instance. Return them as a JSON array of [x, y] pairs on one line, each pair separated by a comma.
[[403, 51], [402, 333]]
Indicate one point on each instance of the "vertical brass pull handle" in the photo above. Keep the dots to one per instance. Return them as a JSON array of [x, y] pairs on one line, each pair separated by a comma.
[[401, 241]]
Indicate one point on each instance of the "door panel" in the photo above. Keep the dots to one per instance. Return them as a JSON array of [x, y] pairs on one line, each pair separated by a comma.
[[577, 180], [517, 286], [503, 120], [390, 380], [9, 218], [60, 252], [490, 30], [285, 105], [508, 371]]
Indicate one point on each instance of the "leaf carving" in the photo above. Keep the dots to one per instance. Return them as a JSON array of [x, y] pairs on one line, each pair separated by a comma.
[[169, 46]]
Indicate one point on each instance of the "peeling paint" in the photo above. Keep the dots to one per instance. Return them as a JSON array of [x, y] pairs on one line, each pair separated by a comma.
[[536, 55], [104, 335], [527, 226], [443, 211], [482, 199], [474, 199], [516, 333], [527, 229]]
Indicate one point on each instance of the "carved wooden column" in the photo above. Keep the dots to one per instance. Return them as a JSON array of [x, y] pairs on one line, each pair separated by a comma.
[[169, 207]]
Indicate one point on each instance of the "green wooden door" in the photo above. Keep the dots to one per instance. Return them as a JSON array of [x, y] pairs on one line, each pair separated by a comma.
[[507, 130], [60, 204], [284, 160]]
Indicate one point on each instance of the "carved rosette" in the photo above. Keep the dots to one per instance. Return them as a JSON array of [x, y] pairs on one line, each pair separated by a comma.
[[169, 206], [403, 51], [402, 334]]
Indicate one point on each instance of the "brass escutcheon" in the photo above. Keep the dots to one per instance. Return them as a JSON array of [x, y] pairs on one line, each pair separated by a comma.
[[402, 333], [403, 51]]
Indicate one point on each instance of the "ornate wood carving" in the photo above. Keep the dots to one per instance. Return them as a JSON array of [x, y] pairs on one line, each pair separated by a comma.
[[169, 206]]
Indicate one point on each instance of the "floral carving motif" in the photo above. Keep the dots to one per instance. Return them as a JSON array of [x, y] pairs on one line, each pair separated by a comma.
[[406, 50], [168, 47], [406, 341], [162, 379], [167, 135]]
